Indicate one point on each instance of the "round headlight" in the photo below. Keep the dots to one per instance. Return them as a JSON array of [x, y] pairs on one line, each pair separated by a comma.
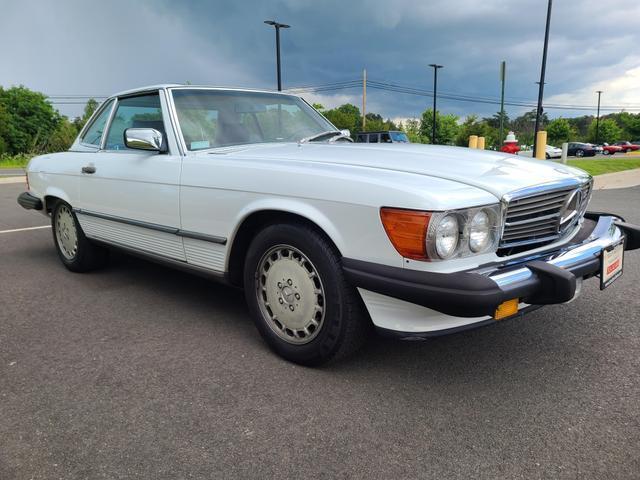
[[446, 236], [479, 232]]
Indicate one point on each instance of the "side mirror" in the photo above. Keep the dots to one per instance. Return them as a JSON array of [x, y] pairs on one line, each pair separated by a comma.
[[346, 132], [148, 139]]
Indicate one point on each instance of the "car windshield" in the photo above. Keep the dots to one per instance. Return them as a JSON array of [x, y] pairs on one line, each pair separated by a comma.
[[399, 137], [216, 118]]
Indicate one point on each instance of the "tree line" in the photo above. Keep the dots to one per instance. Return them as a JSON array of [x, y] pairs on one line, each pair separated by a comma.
[[453, 130], [29, 124]]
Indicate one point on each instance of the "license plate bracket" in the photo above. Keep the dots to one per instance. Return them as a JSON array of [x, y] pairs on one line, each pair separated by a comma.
[[611, 263]]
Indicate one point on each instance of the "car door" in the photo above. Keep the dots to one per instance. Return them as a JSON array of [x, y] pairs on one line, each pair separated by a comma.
[[131, 197]]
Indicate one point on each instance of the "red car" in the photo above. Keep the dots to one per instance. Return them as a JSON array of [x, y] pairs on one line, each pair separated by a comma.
[[627, 146], [610, 149]]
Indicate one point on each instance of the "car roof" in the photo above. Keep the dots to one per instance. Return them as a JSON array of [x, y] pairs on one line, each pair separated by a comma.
[[163, 86], [381, 131]]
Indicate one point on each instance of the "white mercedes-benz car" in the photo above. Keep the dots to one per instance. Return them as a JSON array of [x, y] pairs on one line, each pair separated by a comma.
[[327, 237]]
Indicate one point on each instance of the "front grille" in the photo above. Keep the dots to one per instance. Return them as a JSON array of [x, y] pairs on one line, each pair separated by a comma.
[[541, 217]]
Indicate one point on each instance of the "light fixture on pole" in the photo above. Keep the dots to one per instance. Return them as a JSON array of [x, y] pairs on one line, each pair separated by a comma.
[[278, 26], [435, 92]]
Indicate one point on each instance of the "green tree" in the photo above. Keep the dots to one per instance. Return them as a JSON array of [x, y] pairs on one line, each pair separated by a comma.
[[446, 127], [473, 126], [89, 108], [609, 132], [412, 128], [62, 137], [345, 116], [559, 131], [524, 126], [30, 120]]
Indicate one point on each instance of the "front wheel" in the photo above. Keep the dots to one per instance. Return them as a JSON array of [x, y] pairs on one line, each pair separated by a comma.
[[77, 253], [298, 297], [606, 152], [579, 153]]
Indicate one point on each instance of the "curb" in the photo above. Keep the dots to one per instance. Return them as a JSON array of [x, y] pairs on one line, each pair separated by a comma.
[[621, 179], [12, 180]]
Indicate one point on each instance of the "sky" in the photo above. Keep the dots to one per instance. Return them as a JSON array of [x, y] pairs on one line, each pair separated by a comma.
[[89, 47]]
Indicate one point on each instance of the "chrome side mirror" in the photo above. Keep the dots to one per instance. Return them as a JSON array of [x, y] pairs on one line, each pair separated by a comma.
[[148, 139], [346, 132]]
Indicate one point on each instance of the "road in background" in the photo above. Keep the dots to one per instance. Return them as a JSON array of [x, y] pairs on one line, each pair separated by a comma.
[[138, 371]]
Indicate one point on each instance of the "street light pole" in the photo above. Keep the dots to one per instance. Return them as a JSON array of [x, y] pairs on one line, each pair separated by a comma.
[[435, 92], [599, 92], [542, 72], [278, 26]]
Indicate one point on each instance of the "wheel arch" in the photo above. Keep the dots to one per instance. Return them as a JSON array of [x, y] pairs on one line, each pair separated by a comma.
[[257, 219], [53, 195]]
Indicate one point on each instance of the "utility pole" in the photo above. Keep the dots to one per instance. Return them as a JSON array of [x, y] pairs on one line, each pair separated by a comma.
[[435, 90], [503, 74], [542, 72], [364, 99], [277, 26], [599, 92]]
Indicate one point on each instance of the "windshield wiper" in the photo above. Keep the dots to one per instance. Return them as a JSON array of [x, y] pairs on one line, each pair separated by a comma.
[[318, 136]]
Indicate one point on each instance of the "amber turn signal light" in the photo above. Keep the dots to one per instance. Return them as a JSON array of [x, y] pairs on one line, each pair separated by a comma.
[[506, 309], [407, 230]]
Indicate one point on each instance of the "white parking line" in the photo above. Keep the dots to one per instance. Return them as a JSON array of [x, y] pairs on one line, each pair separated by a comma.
[[24, 229]]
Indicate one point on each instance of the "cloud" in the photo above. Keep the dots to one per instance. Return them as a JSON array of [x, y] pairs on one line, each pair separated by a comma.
[[92, 47]]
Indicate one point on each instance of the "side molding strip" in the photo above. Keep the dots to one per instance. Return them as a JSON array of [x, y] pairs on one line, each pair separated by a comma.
[[154, 226]]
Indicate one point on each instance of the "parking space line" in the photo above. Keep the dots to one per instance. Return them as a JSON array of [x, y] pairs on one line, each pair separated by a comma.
[[25, 229]]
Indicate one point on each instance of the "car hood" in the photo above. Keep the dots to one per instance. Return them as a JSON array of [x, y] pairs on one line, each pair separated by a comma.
[[496, 172]]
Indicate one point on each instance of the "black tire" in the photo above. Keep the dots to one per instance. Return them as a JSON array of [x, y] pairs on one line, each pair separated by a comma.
[[579, 153], [345, 324], [547, 156], [87, 256], [606, 152]]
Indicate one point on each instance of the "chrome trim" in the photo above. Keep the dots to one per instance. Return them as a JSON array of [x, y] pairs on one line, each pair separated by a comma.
[[154, 226], [91, 121], [604, 234], [522, 227], [202, 236]]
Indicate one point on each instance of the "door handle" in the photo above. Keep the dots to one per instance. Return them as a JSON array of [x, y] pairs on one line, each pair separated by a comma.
[[89, 169]]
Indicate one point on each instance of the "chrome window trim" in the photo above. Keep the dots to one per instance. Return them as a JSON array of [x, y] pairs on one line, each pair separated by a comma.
[[140, 93], [92, 120]]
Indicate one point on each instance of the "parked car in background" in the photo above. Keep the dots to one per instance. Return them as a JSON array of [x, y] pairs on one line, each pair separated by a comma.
[[627, 146], [328, 238], [597, 148], [550, 152], [577, 149], [390, 136], [610, 149]]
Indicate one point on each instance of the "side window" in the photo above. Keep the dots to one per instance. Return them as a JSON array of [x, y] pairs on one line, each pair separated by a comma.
[[373, 138], [143, 111], [385, 138], [93, 135]]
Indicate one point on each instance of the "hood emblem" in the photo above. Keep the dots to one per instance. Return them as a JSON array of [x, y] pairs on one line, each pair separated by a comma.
[[570, 209]]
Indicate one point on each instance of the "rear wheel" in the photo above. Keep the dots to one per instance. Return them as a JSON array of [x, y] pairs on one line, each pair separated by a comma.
[[298, 296], [77, 253]]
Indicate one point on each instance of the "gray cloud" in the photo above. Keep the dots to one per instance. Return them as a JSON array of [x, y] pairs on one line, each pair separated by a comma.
[[90, 47]]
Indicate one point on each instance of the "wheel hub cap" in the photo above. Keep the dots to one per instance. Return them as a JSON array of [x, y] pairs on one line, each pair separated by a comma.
[[290, 294], [66, 232]]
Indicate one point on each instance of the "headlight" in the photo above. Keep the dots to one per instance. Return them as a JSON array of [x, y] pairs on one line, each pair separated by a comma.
[[447, 233], [479, 232], [433, 236]]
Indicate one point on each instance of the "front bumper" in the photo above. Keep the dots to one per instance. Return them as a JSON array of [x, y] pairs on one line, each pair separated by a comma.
[[545, 279], [29, 201]]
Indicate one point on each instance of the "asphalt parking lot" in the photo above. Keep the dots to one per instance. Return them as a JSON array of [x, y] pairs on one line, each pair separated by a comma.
[[138, 371]]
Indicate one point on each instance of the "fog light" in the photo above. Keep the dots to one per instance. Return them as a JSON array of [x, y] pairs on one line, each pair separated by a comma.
[[506, 309]]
